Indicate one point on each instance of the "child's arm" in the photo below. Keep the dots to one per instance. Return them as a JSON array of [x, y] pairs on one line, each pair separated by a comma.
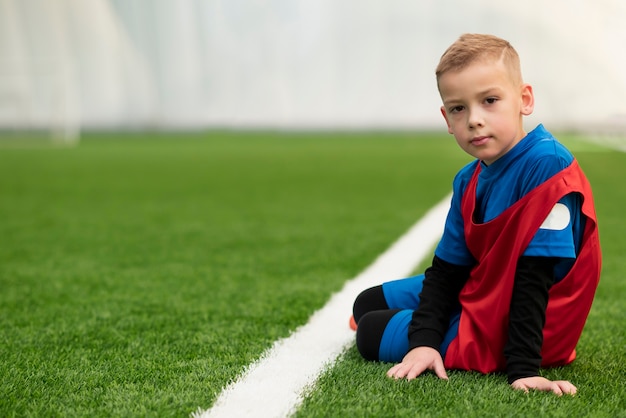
[[533, 278], [439, 297]]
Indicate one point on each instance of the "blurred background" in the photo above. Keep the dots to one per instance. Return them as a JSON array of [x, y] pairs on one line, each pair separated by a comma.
[[72, 65]]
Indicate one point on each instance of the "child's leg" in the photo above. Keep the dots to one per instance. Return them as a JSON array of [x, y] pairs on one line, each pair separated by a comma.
[[382, 332], [384, 335], [397, 294], [372, 299]]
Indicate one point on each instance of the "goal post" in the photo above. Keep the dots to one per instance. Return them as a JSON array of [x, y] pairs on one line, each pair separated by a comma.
[[38, 96]]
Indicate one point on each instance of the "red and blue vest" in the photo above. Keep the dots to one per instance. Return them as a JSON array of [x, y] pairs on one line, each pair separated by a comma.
[[496, 245]]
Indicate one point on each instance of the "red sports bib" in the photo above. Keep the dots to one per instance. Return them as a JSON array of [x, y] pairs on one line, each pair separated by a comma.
[[497, 245]]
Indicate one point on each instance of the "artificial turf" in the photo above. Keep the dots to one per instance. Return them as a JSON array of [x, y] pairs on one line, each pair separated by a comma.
[[357, 388], [140, 273]]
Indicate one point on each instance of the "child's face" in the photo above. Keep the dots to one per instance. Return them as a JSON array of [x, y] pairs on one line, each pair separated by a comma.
[[483, 108]]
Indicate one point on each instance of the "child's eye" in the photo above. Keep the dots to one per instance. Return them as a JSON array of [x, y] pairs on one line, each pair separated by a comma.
[[456, 109], [491, 100]]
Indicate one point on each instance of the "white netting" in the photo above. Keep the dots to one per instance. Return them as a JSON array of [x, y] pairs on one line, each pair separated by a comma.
[[293, 63]]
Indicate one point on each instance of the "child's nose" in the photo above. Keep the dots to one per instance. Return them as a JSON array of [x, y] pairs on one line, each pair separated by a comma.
[[475, 118]]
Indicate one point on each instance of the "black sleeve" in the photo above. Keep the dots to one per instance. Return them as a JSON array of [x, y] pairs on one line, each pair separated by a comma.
[[439, 296], [533, 278]]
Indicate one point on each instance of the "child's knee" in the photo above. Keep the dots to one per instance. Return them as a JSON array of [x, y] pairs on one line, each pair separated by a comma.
[[370, 332], [369, 300], [368, 335]]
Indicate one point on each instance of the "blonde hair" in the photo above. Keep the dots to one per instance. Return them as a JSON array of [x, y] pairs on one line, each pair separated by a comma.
[[471, 48]]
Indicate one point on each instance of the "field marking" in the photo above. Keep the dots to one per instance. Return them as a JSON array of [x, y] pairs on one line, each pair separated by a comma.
[[613, 142], [591, 142], [274, 385]]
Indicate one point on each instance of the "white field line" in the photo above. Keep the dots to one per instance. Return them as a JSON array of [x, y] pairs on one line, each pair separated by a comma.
[[600, 142], [274, 385], [614, 142]]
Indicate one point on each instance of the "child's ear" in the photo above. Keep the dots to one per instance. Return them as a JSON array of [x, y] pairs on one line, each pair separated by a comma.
[[528, 100], [445, 116]]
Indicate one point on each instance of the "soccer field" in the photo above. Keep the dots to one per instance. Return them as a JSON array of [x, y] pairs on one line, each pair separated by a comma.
[[140, 274]]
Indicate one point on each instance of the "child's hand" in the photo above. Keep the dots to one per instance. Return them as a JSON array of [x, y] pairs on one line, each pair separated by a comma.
[[416, 362], [541, 383]]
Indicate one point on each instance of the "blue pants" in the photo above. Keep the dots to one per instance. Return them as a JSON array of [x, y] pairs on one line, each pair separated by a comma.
[[404, 294]]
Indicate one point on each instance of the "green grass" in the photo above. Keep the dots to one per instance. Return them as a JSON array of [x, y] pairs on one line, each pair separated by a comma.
[[356, 388], [139, 274]]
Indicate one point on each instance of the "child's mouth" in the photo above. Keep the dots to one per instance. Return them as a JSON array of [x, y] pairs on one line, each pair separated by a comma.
[[479, 140]]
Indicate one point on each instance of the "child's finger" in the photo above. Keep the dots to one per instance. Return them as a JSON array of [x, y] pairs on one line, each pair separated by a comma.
[[566, 387], [440, 371], [397, 371]]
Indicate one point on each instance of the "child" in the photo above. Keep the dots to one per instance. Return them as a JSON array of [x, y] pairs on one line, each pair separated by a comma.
[[513, 277]]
